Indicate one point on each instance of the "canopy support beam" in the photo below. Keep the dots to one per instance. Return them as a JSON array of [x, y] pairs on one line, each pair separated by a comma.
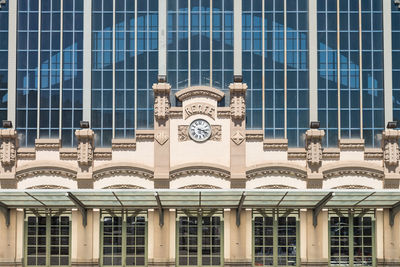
[[321, 204], [80, 207], [6, 212], [239, 208], [160, 210], [393, 212]]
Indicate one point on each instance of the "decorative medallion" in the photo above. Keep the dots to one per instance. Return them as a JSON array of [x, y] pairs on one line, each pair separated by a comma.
[[237, 138], [161, 138]]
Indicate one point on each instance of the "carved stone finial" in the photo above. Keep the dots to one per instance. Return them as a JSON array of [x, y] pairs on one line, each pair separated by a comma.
[[85, 146], [238, 104], [390, 146], [9, 143], [314, 146], [161, 100]]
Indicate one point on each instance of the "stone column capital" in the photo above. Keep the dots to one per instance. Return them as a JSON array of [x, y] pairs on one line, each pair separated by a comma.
[[161, 100], [238, 100]]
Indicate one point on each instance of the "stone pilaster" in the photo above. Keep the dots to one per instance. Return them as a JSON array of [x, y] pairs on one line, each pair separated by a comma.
[[85, 157], [390, 147], [238, 134], [161, 134], [314, 157], [8, 153]]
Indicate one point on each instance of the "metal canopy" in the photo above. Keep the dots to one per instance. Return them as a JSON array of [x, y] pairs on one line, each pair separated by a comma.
[[196, 199]]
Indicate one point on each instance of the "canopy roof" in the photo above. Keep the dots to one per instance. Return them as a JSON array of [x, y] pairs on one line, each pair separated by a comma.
[[186, 199]]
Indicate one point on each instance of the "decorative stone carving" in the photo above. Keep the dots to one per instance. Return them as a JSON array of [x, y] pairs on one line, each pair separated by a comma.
[[142, 135], [199, 108], [68, 153], [350, 187], [161, 100], [110, 172], [176, 112], [275, 186], [276, 170], [47, 186], [238, 104], [200, 186], [237, 137], [183, 133], [297, 154], [275, 144], [224, 112], [123, 186], [47, 144], [8, 139], [161, 137], [373, 154], [65, 173], [123, 144], [102, 153], [331, 154], [254, 135], [314, 146], [200, 170], [354, 171], [85, 146], [390, 146], [351, 144], [26, 153], [202, 91]]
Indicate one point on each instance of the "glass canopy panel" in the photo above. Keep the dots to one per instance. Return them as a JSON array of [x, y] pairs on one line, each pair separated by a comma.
[[302, 199], [348, 199], [263, 198], [180, 198], [18, 199], [136, 198], [97, 198], [220, 199], [53, 198]]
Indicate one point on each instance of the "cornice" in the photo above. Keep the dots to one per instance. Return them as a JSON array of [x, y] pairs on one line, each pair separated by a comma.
[[176, 112], [26, 153], [352, 168], [254, 135], [200, 91], [351, 144], [48, 144], [275, 144], [275, 186], [122, 168], [223, 112], [373, 153], [330, 153], [48, 168], [193, 169], [200, 186], [101, 153], [350, 186], [144, 135], [297, 154], [276, 169], [47, 186], [123, 144], [68, 153], [123, 186]]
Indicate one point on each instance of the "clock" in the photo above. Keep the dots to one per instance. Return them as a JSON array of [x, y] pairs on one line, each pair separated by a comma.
[[199, 130]]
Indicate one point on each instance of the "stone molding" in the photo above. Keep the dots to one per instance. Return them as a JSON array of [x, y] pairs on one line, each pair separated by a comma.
[[290, 170], [351, 144], [68, 153], [183, 133], [47, 144], [275, 144], [47, 186], [238, 104], [26, 153], [275, 186], [199, 169], [330, 153], [352, 168], [9, 144], [200, 186], [47, 168], [314, 146], [297, 154], [176, 112], [238, 137], [122, 168], [123, 186], [373, 154], [123, 144], [202, 91], [144, 135], [350, 187], [390, 147], [223, 112], [161, 137], [254, 135], [161, 100], [85, 146], [102, 153]]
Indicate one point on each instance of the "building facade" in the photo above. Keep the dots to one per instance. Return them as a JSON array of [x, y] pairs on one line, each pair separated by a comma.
[[199, 133]]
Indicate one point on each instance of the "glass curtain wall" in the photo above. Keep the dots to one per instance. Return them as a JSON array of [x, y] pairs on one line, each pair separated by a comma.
[[277, 83], [352, 238], [49, 69], [396, 61], [350, 84], [200, 44], [199, 238], [124, 67], [275, 238], [124, 239], [47, 239], [3, 60]]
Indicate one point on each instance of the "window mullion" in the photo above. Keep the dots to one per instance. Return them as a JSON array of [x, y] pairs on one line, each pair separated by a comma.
[[48, 239], [275, 236], [351, 239], [199, 239]]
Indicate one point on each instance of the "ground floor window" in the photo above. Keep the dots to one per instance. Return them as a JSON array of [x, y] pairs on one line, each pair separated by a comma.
[[124, 238], [352, 238], [199, 240], [275, 238], [47, 239]]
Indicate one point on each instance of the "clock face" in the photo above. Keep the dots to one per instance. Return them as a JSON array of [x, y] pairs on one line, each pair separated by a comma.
[[199, 130]]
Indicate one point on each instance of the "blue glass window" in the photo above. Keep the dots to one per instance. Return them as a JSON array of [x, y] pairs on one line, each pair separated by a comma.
[[3, 61], [396, 61]]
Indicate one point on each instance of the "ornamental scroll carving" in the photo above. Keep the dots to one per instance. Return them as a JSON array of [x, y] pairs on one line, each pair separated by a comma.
[[161, 100], [8, 146], [314, 146], [238, 104], [391, 147], [183, 133], [85, 146]]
